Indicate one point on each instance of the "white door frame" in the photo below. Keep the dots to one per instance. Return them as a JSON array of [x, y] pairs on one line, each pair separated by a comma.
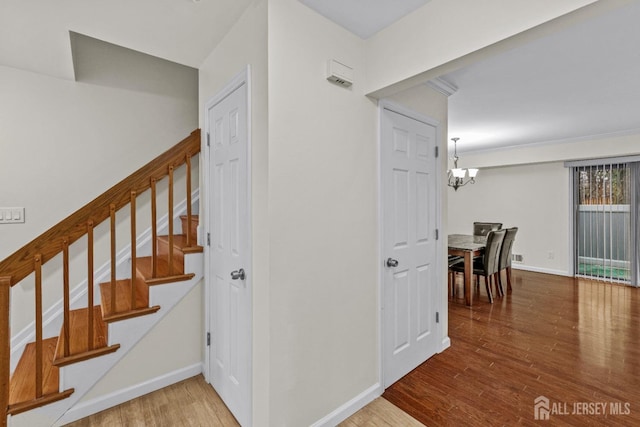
[[442, 327], [243, 77]]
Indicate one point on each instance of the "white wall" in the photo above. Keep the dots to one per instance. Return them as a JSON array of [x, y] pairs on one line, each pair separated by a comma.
[[538, 183], [64, 143], [322, 219], [534, 198], [246, 43]]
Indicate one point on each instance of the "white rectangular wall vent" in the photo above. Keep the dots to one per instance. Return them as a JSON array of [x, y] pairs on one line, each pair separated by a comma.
[[339, 73]]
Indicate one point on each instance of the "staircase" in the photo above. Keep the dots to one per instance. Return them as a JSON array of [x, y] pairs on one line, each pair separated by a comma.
[[55, 372]]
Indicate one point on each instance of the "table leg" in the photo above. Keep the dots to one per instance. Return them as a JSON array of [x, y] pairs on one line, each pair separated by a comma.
[[468, 273]]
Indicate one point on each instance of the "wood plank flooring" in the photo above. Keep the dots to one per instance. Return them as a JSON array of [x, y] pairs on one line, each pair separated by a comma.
[[575, 342], [572, 341], [381, 413], [193, 402]]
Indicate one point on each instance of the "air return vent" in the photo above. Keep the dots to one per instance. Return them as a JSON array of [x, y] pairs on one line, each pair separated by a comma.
[[339, 73]]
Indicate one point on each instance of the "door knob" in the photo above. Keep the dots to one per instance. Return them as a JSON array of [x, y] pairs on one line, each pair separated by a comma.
[[238, 274], [392, 262]]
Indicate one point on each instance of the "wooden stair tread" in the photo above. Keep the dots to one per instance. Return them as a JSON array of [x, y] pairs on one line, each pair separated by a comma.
[[180, 243], [79, 333], [22, 390], [124, 308], [145, 270]]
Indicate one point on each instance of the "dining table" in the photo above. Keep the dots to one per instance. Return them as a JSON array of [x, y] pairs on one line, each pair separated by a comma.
[[467, 246]]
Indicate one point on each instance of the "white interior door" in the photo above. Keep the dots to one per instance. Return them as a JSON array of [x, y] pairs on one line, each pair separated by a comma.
[[228, 254], [409, 205]]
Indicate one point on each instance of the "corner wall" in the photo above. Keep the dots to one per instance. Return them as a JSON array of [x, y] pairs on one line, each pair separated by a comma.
[[322, 219]]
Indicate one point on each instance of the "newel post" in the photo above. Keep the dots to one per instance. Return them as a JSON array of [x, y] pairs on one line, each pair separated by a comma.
[[5, 347]]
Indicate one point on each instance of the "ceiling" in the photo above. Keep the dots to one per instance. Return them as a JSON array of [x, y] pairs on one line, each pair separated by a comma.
[[577, 83], [34, 34], [573, 84], [364, 18]]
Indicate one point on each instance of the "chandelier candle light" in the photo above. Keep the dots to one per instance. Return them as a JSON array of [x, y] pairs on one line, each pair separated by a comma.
[[457, 175]]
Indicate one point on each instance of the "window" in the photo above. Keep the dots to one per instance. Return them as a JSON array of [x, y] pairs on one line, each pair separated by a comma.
[[606, 224], [603, 222]]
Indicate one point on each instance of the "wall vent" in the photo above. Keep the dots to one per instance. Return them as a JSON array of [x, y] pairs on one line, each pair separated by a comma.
[[339, 73]]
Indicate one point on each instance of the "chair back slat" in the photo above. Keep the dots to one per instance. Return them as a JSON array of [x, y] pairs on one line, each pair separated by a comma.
[[492, 251]]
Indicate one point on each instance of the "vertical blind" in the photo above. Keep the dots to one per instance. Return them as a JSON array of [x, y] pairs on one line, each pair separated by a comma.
[[604, 222]]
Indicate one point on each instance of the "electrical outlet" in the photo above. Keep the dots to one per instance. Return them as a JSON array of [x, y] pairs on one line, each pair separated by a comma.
[[516, 257], [551, 255], [11, 215]]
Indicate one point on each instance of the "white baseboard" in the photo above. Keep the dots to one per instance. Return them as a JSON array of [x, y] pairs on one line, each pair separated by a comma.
[[446, 343], [351, 407], [540, 270], [93, 406]]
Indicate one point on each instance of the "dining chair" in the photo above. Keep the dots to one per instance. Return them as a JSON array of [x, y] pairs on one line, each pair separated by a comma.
[[483, 228], [505, 255], [453, 259], [487, 265]]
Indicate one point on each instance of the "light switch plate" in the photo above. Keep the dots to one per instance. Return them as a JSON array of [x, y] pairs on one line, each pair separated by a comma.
[[11, 215]]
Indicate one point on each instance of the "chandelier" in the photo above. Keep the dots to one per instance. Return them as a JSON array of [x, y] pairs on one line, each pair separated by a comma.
[[457, 175]]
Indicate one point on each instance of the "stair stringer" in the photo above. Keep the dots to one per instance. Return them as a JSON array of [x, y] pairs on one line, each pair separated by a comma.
[[82, 376]]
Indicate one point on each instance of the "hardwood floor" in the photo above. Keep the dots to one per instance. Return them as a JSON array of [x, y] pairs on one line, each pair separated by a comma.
[[381, 413], [575, 342], [193, 402]]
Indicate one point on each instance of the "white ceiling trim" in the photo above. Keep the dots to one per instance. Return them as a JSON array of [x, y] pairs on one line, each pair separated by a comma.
[[616, 134], [442, 86]]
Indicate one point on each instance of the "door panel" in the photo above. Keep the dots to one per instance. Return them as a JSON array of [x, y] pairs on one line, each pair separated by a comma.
[[409, 214], [230, 299], [401, 305]]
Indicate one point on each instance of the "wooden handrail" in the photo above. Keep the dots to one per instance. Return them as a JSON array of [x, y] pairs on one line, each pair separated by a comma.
[[20, 264]]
